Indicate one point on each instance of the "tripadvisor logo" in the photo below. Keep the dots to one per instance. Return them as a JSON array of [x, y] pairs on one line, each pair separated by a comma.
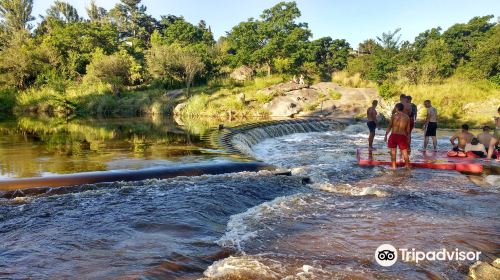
[[387, 255]]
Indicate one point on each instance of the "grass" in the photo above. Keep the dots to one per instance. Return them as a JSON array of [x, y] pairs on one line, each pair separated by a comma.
[[458, 101], [93, 100], [223, 102]]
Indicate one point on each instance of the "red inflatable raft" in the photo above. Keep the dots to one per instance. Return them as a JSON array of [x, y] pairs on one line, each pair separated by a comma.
[[432, 160]]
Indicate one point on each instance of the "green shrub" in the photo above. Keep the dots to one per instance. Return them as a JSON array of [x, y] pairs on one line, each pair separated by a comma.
[[334, 95], [388, 90]]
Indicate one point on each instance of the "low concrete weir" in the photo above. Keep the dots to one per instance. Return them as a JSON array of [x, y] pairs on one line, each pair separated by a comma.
[[237, 141]]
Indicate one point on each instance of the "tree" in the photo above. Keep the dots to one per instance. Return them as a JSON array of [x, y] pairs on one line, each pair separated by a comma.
[[461, 38], [96, 13], [368, 47], [134, 25], [180, 63], [390, 40], [437, 61], [16, 14], [485, 58], [330, 55], [63, 11], [114, 69], [20, 61], [275, 37]]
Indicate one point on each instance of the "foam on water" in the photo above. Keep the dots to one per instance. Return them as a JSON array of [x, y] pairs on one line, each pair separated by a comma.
[[332, 230]]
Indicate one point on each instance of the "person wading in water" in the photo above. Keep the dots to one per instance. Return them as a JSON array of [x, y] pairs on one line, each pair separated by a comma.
[[399, 128], [371, 115]]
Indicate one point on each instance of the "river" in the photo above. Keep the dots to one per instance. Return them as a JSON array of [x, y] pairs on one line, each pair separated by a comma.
[[246, 225]]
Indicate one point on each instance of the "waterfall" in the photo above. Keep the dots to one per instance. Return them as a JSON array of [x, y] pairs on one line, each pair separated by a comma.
[[241, 139]]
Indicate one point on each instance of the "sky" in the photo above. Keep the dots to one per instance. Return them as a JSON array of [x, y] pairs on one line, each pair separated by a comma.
[[354, 21]]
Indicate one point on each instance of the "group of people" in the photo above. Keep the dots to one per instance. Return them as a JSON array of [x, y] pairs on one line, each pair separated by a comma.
[[404, 116], [481, 146]]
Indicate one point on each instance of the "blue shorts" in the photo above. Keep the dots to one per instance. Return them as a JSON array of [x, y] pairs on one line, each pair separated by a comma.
[[371, 126]]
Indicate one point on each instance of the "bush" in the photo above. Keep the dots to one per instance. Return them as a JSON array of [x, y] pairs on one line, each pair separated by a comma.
[[388, 90], [7, 102], [334, 95]]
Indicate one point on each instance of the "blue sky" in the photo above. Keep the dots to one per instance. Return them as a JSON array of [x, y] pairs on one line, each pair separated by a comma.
[[352, 20]]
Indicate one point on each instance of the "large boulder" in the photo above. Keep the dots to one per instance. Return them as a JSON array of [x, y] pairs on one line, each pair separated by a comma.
[[292, 103], [242, 73]]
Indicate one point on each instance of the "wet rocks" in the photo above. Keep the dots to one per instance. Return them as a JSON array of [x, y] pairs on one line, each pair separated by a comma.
[[485, 271], [178, 108]]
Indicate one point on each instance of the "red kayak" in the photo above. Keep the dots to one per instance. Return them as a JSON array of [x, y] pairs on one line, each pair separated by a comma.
[[432, 160]]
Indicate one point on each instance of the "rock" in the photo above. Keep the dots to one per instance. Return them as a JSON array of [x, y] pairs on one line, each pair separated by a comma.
[[282, 89], [171, 94], [178, 108], [485, 271], [292, 103], [242, 73]]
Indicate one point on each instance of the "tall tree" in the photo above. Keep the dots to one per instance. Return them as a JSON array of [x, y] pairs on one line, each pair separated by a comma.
[[390, 40], [63, 11], [331, 55], [96, 13], [16, 14], [132, 21]]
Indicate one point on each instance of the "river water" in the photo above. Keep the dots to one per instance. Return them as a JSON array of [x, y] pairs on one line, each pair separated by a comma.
[[257, 225]]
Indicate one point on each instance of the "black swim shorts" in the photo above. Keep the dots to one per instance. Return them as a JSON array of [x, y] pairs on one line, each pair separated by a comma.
[[431, 129], [371, 126]]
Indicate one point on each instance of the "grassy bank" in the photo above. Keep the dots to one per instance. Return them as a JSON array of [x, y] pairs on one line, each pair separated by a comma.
[[221, 100], [92, 100]]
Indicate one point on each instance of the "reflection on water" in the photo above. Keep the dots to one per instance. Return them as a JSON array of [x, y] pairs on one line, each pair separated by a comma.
[[36, 147]]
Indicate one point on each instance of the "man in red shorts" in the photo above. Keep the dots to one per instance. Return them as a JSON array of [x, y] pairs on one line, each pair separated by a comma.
[[400, 129]]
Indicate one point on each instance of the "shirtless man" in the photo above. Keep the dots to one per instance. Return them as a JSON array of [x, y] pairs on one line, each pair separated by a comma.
[[371, 115], [463, 136], [403, 99], [430, 125], [400, 127], [485, 137]]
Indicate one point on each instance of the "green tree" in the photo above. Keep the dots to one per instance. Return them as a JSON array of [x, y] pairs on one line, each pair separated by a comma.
[[16, 14], [134, 25], [63, 11], [485, 58], [114, 69], [464, 37], [330, 55], [276, 37], [174, 61], [96, 13], [437, 61]]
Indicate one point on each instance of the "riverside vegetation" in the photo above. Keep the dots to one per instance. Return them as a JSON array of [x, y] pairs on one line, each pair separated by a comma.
[[123, 61]]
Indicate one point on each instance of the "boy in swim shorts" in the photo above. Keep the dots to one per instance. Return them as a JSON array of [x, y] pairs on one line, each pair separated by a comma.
[[400, 129]]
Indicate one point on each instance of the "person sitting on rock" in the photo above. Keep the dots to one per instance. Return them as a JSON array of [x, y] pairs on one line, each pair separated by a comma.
[[301, 80], [485, 137], [464, 137], [475, 149]]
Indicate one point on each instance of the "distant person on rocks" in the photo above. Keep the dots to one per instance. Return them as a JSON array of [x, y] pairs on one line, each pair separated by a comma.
[[430, 125], [464, 137], [495, 140], [399, 128], [485, 137], [295, 80], [301, 80], [371, 115], [475, 148]]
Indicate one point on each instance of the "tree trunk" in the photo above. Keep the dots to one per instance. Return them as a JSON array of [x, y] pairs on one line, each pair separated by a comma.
[[188, 87]]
